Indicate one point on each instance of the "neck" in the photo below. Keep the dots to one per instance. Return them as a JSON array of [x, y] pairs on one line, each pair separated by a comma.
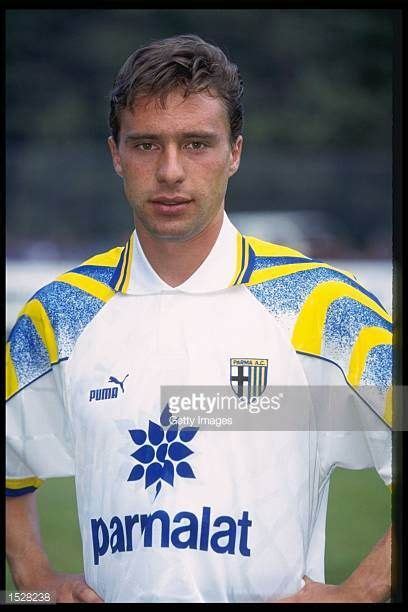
[[175, 261]]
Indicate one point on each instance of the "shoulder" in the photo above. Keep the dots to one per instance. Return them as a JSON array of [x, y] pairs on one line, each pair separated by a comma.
[[326, 311], [50, 323], [290, 283], [268, 261]]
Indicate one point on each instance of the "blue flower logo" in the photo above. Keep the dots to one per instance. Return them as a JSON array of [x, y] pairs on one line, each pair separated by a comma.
[[163, 454]]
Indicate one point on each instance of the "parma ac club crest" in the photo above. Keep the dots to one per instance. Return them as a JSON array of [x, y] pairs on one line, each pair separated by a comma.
[[248, 377]]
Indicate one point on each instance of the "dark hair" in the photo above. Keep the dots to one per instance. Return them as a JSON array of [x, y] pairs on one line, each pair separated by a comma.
[[184, 61]]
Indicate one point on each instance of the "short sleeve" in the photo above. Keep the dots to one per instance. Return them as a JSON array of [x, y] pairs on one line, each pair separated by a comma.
[[369, 446], [345, 335], [38, 438], [367, 443]]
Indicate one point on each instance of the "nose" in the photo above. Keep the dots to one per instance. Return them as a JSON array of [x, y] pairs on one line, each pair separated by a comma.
[[170, 168]]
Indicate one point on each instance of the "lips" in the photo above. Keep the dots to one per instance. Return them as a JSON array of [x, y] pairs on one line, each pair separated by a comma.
[[173, 206], [170, 201]]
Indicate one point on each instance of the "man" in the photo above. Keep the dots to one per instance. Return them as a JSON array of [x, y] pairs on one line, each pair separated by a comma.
[[188, 515]]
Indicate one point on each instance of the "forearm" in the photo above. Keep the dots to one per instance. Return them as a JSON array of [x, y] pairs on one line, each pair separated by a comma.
[[27, 559], [372, 578], [369, 583]]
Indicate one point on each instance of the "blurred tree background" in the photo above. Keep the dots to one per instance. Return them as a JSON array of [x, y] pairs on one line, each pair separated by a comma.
[[318, 120]]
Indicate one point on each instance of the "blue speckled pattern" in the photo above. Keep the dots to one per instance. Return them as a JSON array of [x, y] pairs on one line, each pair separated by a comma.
[[378, 367], [288, 293], [70, 310], [103, 274], [284, 297], [344, 321], [27, 351]]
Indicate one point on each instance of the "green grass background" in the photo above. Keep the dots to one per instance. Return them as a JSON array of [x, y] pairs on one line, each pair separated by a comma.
[[358, 515]]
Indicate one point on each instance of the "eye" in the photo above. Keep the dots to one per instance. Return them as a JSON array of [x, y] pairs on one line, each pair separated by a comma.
[[144, 146], [196, 145]]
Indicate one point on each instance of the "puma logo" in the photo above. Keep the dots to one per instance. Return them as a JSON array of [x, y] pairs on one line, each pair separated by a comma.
[[112, 379]]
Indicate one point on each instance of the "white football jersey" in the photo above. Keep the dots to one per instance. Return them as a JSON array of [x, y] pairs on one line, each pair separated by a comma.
[[171, 513]]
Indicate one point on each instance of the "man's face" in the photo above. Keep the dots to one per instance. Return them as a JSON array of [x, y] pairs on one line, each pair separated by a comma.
[[175, 162]]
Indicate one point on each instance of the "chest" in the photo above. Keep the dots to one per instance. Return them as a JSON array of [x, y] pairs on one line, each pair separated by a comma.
[[137, 344]]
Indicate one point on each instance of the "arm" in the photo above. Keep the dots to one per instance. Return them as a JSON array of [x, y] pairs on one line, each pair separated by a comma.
[[28, 561], [369, 583]]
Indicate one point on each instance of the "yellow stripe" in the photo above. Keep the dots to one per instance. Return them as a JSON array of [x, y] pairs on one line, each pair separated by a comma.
[[38, 315], [90, 285], [11, 375], [129, 267], [246, 259], [263, 249], [123, 266], [21, 483], [366, 340], [390, 487], [238, 259], [388, 407], [308, 331], [260, 276], [110, 258]]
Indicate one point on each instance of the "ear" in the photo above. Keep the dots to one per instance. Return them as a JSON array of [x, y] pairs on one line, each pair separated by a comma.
[[236, 151], [115, 156]]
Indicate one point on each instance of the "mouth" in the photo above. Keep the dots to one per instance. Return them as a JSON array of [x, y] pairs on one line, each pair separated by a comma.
[[170, 205]]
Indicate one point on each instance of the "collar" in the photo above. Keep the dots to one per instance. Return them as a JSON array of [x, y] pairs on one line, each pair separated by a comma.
[[224, 266]]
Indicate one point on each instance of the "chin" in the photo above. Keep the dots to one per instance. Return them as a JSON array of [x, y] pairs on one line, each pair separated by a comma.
[[174, 231], [174, 236]]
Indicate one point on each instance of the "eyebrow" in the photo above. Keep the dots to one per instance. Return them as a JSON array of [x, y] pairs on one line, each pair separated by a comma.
[[146, 136]]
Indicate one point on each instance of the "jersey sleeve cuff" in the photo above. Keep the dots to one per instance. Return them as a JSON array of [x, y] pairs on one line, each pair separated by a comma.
[[21, 486]]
